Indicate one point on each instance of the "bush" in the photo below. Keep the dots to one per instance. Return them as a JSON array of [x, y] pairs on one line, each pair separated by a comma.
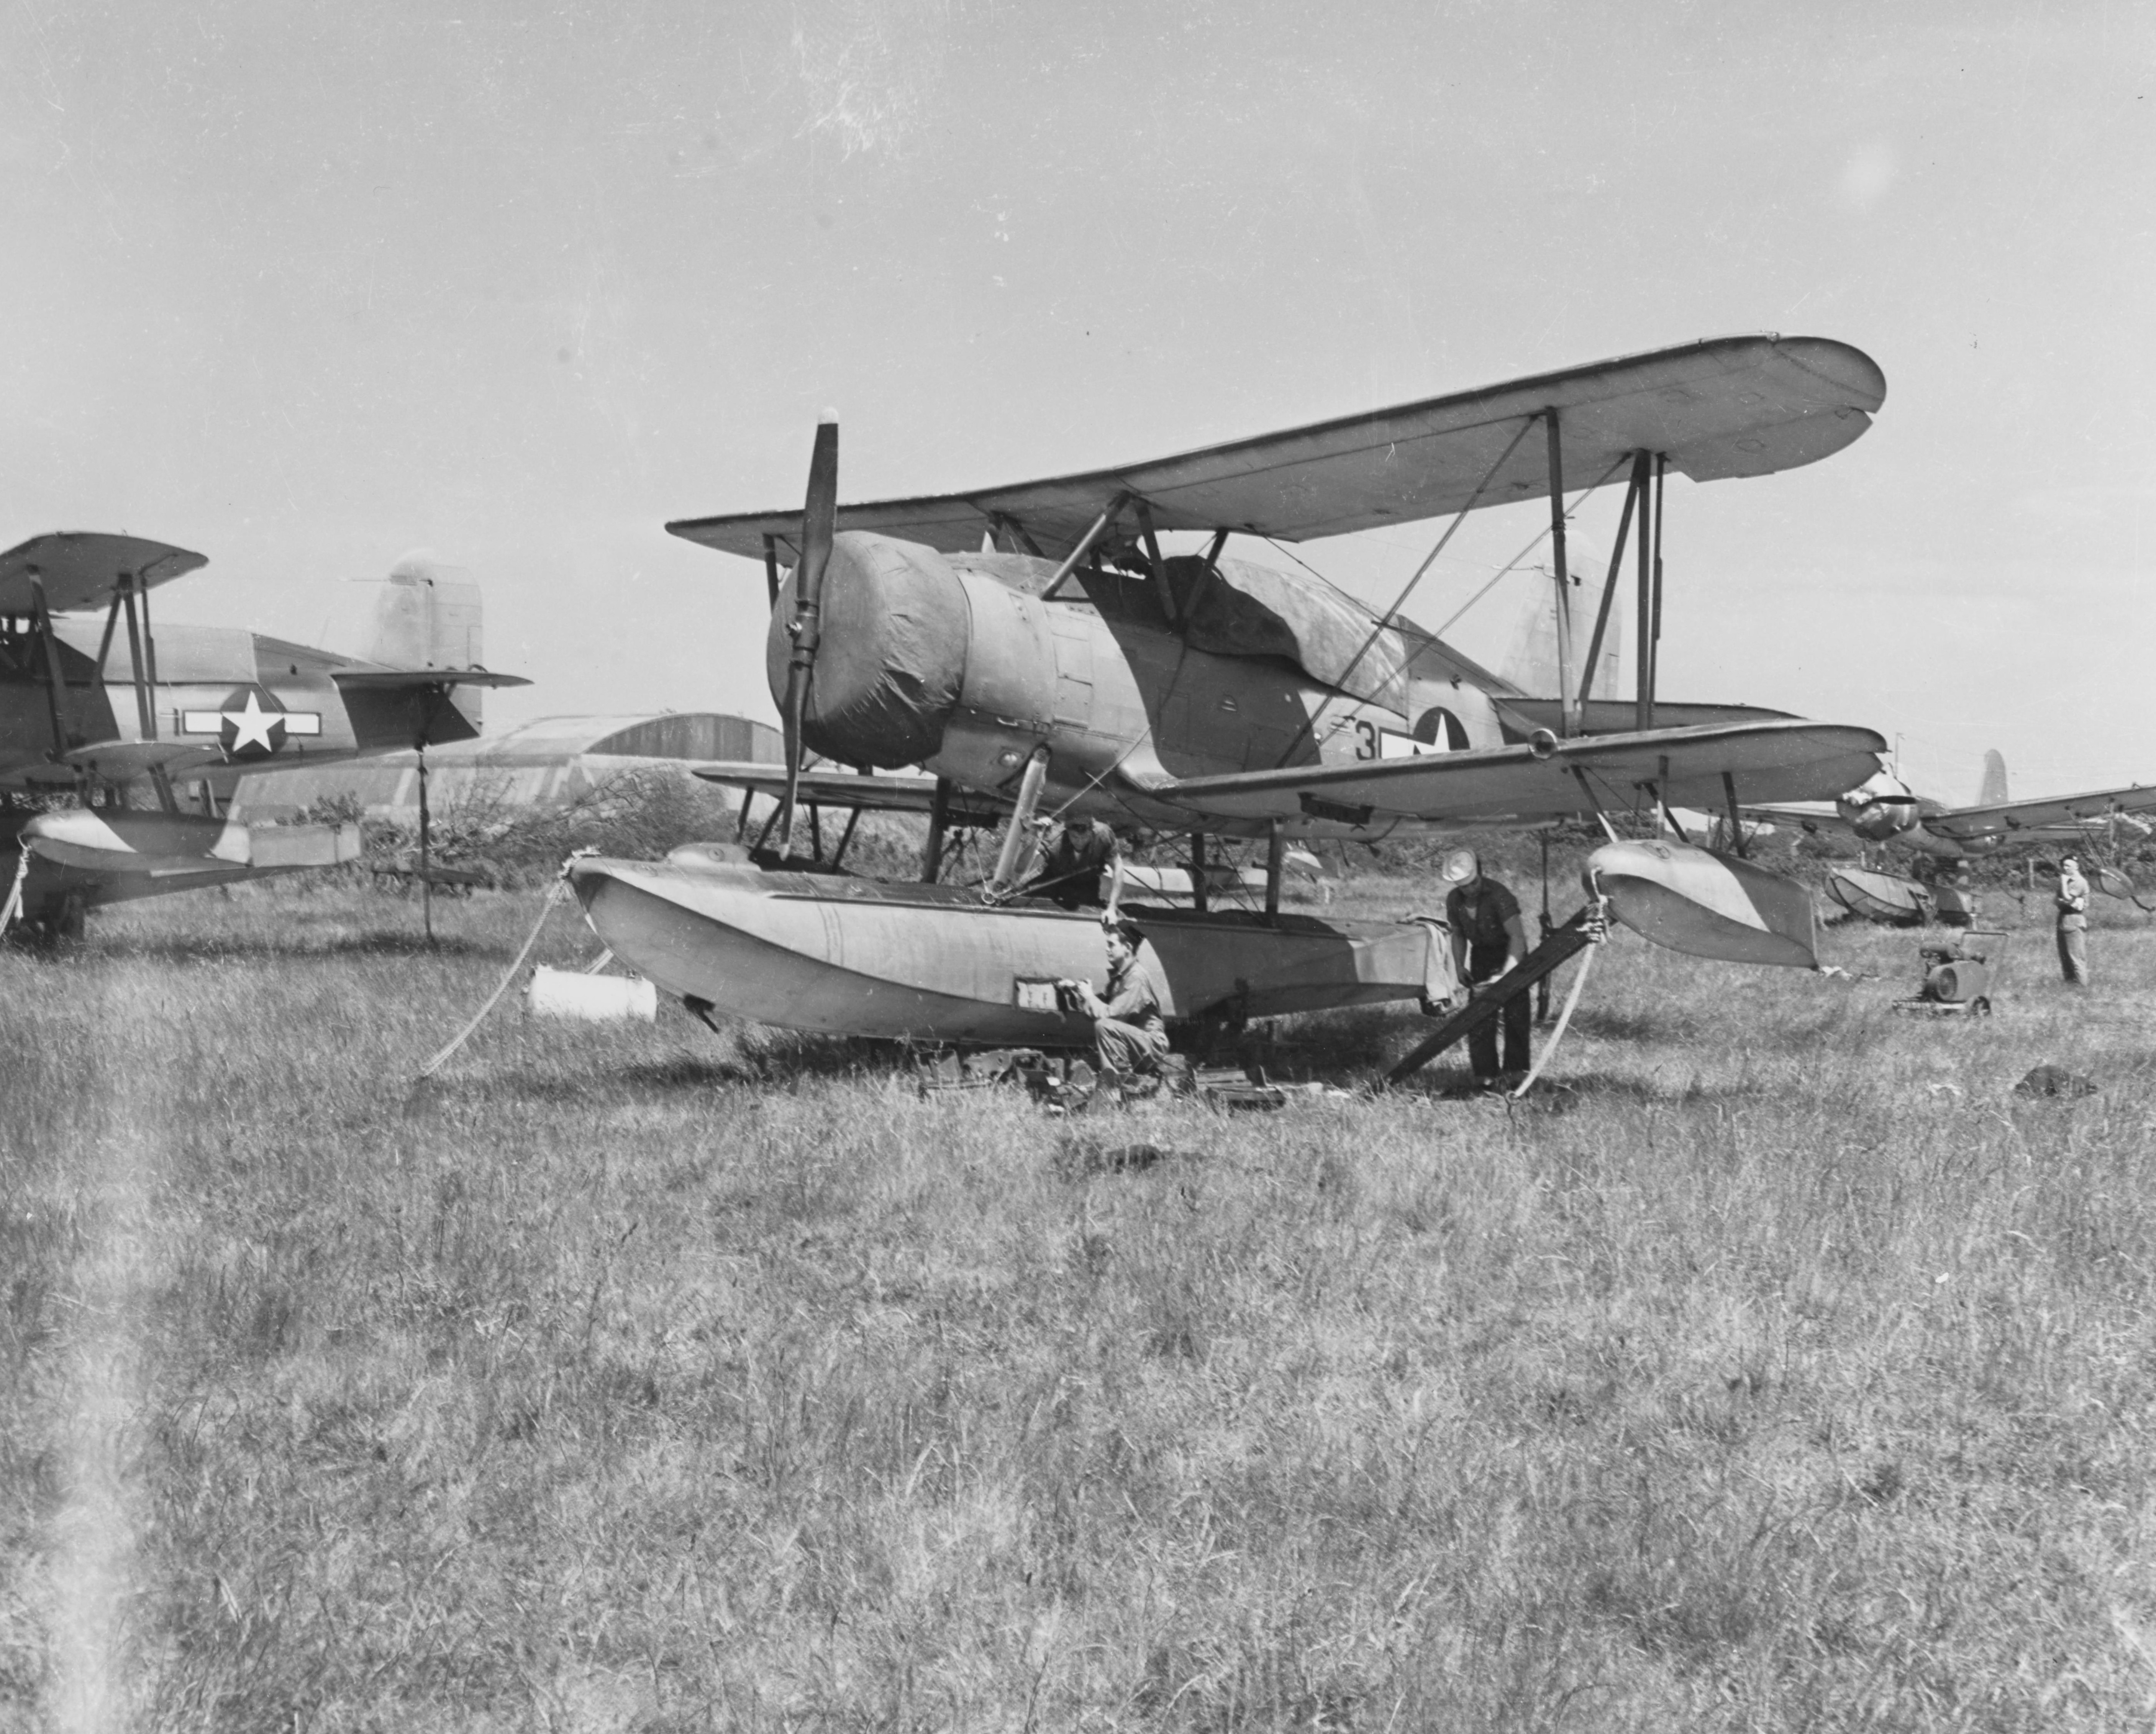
[[639, 814]]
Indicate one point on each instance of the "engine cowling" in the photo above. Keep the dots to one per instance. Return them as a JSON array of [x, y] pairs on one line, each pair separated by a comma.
[[891, 664], [1880, 809]]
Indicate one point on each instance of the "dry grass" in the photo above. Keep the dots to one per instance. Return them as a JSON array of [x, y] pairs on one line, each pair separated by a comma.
[[1778, 1369]]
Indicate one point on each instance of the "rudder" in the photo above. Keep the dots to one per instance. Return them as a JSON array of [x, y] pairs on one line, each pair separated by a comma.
[[430, 616], [1992, 791]]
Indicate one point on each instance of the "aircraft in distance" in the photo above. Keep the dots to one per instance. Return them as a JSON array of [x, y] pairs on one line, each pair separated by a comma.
[[1886, 811], [1071, 666], [92, 729]]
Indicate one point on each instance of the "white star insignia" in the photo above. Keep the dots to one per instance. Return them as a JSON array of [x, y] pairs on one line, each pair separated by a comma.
[[253, 724]]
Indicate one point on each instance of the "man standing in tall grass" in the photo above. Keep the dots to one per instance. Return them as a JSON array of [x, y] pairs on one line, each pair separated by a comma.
[[1489, 939], [2073, 923]]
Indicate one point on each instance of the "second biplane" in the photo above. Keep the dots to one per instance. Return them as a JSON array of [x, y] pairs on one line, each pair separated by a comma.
[[115, 753], [1887, 812], [1033, 648]]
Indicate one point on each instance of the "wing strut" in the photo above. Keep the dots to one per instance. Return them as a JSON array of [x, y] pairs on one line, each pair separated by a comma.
[[1632, 492], [142, 663], [41, 623], [1108, 515], [1649, 623], [1567, 722], [1736, 818]]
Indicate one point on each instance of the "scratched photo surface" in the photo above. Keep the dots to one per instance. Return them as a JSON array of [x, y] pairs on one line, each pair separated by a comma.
[[1770, 1361]]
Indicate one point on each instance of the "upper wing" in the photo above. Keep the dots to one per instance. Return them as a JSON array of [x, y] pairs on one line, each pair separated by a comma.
[[870, 794], [1723, 406], [82, 568], [1699, 768], [1966, 824]]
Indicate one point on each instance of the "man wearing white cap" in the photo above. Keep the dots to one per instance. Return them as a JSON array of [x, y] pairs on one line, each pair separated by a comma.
[[1488, 939], [2073, 923]]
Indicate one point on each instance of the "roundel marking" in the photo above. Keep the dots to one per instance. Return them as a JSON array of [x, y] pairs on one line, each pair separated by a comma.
[[1438, 727], [251, 723]]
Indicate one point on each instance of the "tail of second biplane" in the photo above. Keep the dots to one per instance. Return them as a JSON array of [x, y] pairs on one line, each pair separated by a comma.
[[1531, 660], [1992, 791], [431, 615]]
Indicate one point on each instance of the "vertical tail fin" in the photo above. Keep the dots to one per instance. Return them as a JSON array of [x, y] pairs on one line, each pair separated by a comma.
[[1531, 658], [1992, 791], [430, 615]]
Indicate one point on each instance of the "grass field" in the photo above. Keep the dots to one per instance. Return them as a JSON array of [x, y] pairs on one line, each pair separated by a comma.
[[1775, 1367]]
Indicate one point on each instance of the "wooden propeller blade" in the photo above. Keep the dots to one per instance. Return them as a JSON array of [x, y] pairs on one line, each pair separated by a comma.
[[818, 515]]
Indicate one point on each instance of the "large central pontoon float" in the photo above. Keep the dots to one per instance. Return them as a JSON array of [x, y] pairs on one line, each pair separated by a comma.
[[937, 964]]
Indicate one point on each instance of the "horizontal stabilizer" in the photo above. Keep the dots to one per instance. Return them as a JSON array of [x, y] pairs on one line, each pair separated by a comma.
[[82, 569]]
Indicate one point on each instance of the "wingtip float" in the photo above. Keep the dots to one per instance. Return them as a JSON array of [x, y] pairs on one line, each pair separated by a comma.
[[1706, 904]]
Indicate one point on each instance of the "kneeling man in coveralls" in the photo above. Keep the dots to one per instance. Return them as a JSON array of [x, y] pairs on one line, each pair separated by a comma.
[[1129, 1033], [1488, 939]]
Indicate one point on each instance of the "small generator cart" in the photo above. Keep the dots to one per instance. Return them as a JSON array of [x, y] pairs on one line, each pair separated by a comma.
[[1961, 974]]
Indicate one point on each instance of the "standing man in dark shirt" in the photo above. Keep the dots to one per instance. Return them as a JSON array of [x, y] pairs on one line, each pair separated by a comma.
[[1488, 939]]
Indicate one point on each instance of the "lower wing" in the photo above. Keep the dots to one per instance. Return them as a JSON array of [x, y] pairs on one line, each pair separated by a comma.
[[1708, 767], [2056, 814], [846, 789]]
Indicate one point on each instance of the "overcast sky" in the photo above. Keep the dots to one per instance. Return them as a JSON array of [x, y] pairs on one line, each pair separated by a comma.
[[307, 287]]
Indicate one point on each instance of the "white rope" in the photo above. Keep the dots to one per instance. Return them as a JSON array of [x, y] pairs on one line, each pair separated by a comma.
[[545, 909], [1564, 1018], [14, 903]]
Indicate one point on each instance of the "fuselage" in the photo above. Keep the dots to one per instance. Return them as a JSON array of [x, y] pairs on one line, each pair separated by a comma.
[[960, 664], [246, 699]]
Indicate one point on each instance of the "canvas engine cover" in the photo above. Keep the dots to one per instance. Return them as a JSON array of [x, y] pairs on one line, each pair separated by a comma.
[[892, 658]]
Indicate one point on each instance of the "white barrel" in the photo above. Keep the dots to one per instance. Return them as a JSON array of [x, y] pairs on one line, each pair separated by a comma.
[[590, 999]]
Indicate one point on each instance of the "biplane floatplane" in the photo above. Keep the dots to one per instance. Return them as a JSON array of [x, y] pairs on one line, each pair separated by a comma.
[[1032, 650], [99, 738], [1885, 811]]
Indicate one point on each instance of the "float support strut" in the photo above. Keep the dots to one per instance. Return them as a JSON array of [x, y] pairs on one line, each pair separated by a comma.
[[1012, 856]]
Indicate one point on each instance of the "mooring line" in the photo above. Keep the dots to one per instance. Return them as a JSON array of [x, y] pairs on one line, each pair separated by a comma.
[[1564, 1018], [553, 897], [14, 904]]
